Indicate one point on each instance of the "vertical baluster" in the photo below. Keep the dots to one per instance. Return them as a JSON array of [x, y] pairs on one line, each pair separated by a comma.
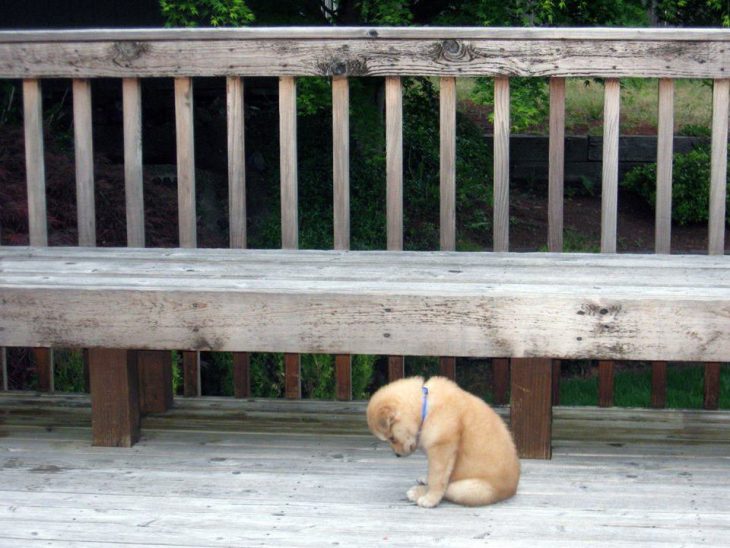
[[556, 177], [394, 184], [341, 205], [187, 225], [663, 227], [37, 216], [237, 207], [153, 367], [289, 205], [84, 149], [605, 383], [448, 186], [718, 166]]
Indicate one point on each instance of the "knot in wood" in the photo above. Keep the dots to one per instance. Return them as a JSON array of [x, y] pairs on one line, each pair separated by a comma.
[[454, 51], [343, 67], [123, 53]]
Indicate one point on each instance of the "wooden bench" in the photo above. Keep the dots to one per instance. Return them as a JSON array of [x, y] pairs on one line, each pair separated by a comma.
[[125, 305]]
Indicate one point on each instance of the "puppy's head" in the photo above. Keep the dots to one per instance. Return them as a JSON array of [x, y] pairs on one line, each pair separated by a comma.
[[391, 419]]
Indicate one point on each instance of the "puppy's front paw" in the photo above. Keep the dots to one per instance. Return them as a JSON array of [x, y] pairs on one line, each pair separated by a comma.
[[416, 492], [429, 500], [423, 480]]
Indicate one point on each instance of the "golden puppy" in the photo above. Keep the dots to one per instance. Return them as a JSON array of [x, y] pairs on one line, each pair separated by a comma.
[[471, 456]]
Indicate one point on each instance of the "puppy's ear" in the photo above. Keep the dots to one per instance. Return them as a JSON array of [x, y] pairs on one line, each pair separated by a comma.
[[387, 416]]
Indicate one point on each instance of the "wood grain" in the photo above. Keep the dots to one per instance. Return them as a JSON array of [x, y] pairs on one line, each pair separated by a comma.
[[665, 158], [192, 385], [115, 417], [84, 151], [501, 163], [394, 161], [718, 166], [608, 54], [187, 217], [236, 162], [341, 161], [567, 305], [292, 376], [43, 360], [35, 163], [343, 377], [609, 185], [288, 159], [556, 167], [133, 178], [531, 407]]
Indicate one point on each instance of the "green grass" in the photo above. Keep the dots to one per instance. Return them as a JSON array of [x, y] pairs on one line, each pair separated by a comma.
[[685, 388]]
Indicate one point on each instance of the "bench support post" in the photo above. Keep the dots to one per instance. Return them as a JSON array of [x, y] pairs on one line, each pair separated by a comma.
[[500, 380], [531, 407], [114, 398], [155, 380], [241, 375]]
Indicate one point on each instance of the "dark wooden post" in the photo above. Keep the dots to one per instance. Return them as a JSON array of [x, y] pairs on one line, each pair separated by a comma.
[[343, 377], [155, 380], [191, 374], [500, 380], [658, 385], [605, 383], [241, 375], [114, 398], [712, 385], [396, 368], [531, 409], [292, 376], [43, 358], [447, 365]]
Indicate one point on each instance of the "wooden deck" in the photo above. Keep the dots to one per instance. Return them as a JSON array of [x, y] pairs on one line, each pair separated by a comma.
[[219, 472]]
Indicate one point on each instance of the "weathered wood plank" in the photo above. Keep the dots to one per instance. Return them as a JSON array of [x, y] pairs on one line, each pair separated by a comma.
[[605, 383], [485, 52], [659, 385], [133, 181], [241, 375], [531, 407], [236, 162], [447, 159], [84, 150], [665, 143], [288, 160], [501, 163], [609, 184], [556, 166], [187, 218], [35, 162], [114, 398], [394, 161], [376, 302], [718, 166]]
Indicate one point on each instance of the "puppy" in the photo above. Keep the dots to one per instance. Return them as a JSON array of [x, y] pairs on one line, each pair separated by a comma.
[[472, 459]]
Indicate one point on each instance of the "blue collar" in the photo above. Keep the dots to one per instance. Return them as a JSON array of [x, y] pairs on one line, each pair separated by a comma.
[[424, 405]]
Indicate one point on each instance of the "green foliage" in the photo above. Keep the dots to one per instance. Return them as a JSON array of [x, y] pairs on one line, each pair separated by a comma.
[[529, 100], [216, 13], [68, 371], [695, 130], [694, 13], [690, 185], [386, 12]]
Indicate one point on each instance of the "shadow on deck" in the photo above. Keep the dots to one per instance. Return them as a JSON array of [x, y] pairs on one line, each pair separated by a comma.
[[220, 472]]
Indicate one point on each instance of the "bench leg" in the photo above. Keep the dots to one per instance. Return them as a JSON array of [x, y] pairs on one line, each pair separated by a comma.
[[500, 380], [447, 367], [343, 377], [292, 376], [114, 398], [191, 374], [241, 375], [44, 365], [396, 368], [155, 380], [531, 407]]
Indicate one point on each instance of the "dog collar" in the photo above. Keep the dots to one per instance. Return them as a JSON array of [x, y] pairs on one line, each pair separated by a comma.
[[424, 412]]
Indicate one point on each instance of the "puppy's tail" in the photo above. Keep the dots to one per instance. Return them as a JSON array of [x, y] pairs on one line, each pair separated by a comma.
[[474, 492]]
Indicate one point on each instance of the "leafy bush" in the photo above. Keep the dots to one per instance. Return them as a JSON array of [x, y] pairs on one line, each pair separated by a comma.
[[217, 13], [529, 100], [690, 186]]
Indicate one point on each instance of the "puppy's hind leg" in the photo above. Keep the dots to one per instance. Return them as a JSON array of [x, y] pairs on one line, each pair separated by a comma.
[[473, 492]]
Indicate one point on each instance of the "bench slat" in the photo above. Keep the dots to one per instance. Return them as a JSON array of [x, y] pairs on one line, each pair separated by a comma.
[[597, 308], [394, 161], [133, 179], [556, 167], [35, 162], [718, 166], [665, 144], [501, 164], [84, 149], [609, 185]]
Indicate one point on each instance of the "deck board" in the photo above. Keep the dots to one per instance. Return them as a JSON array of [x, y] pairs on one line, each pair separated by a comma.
[[219, 472]]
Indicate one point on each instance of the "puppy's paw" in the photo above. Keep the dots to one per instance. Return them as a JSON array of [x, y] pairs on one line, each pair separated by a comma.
[[416, 492], [429, 500], [423, 480]]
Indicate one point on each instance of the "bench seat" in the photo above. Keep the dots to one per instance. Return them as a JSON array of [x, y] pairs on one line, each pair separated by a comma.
[[638, 307]]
